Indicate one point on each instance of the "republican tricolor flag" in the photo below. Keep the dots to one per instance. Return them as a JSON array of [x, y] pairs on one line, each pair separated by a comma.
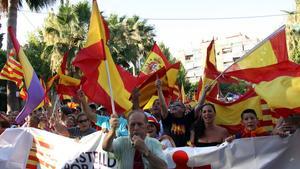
[[34, 88]]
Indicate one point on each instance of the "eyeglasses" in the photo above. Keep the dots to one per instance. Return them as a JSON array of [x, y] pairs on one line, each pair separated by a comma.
[[81, 121]]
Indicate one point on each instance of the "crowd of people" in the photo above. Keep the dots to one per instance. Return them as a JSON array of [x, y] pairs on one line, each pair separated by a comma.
[[140, 138]]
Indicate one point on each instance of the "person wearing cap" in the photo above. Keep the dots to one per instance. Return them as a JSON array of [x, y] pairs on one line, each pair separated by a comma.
[[102, 121], [153, 129]]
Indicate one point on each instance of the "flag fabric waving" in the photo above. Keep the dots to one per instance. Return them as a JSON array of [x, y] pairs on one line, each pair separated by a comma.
[[93, 60], [210, 71], [229, 114], [155, 61], [279, 87], [270, 51], [67, 85], [13, 71], [34, 88]]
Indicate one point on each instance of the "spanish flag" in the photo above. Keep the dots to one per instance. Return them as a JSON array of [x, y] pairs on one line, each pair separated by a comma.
[[211, 74], [229, 114], [148, 88], [155, 61], [210, 71], [34, 88], [67, 85], [278, 85], [270, 51], [94, 60]]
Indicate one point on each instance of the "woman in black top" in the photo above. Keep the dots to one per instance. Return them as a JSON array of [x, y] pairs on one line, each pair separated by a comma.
[[204, 131]]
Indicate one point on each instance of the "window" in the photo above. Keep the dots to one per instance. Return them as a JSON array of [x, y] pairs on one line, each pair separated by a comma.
[[188, 57], [226, 50]]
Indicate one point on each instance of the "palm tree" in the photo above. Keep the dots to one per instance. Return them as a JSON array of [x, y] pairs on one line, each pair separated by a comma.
[[11, 7], [293, 33], [65, 31], [131, 39]]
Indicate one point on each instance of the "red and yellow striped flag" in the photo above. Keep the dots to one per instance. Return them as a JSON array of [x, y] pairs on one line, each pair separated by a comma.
[[13, 71], [270, 51], [94, 60]]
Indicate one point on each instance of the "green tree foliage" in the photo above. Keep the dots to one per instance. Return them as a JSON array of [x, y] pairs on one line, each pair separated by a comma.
[[166, 51], [11, 8], [1, 37], [33, 50], [236, 88], [3, 100], [293, 33], [64, 32], [131, 40]]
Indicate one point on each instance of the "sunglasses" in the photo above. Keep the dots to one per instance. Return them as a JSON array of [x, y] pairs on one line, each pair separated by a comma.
[[81, 121]]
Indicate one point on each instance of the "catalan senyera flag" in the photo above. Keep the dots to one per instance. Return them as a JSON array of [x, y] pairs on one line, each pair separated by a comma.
[[278, 85], [93, 60], [34, 88], [13, 71], [270, 51]]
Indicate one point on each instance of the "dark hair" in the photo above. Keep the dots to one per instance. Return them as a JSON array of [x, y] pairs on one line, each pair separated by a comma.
[[93, 106], [4, 124], [65, 110], [78, 108], [248, 111], [208, 104], [199, 128]]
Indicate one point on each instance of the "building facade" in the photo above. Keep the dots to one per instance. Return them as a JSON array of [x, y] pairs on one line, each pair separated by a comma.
[[228, 50]]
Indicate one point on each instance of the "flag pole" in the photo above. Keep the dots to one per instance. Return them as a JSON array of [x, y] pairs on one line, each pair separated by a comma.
[[109, 84], [247, 53]]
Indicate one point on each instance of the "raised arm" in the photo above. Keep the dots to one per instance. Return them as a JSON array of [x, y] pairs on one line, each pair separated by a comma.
[[163, 104], [202, 99], [108, 139], [86, 108], [135, 99], [58, 126]]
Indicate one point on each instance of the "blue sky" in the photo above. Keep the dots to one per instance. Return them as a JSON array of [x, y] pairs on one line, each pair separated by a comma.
[[186, 34]]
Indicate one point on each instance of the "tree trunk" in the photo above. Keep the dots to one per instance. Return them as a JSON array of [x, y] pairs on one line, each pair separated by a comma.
[[12, 100]]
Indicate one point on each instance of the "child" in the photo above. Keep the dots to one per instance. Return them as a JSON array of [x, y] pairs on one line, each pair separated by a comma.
[[250, 123]]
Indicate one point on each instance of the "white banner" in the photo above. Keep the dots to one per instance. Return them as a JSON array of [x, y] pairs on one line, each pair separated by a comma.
[[32, 148]]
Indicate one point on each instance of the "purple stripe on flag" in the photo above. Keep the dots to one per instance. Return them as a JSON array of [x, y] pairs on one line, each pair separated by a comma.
[[35, 97]]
